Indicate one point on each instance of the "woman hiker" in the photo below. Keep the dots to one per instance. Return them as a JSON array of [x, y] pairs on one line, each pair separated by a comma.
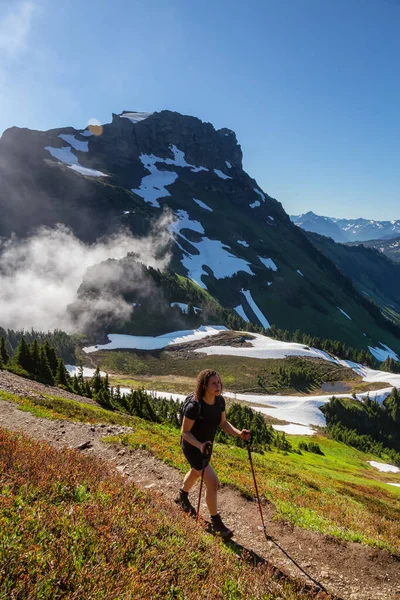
[[203, 412]]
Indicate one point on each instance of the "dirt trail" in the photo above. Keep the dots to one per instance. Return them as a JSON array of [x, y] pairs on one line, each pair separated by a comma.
[[347, 570]]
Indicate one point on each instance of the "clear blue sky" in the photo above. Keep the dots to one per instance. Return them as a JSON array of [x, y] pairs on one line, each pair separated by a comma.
[[311, 87]]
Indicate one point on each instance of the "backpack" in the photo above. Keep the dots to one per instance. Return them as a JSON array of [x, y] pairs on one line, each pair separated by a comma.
[[187, 400], [192, 399]]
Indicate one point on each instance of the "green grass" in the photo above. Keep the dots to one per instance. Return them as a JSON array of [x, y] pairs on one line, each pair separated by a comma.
[[69, 528], [173, 372], [337, 494]]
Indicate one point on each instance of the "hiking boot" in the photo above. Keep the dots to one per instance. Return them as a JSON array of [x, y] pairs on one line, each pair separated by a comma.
[[219, 528], [184, 503]]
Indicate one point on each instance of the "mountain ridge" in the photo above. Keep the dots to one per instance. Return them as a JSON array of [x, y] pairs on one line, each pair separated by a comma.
[[347, 230], [226, 234]]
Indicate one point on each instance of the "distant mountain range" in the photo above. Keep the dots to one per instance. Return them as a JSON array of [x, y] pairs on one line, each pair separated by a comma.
[[234, 243], [390, 248], [347, 230]]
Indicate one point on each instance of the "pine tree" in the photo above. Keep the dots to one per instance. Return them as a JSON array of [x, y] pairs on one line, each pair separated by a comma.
[[44, 373], [393, 405], [23, 357], [76, 386], [4, 357], [51, 357], [61, 374], [95, 382], [34, 350]]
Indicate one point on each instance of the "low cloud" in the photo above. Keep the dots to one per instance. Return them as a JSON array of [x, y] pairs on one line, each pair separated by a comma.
[[40, 276]]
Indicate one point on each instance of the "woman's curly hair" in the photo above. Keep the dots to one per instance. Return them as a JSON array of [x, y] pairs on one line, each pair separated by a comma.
[[202, 382]]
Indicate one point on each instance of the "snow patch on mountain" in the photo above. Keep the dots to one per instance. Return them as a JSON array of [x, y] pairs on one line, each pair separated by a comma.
[[242, 243], [202, 205], [153, 186], [383, 467], [260, 316], [143, 342], [293, 429], [86, 371], [260, 194], [264, 347], [66, 156], [221, 175], [76, 144], [383, 353], [240, 311], [135, 117], [268, 262], [210, 253], [179, 160], [255, 204], [344, 313]]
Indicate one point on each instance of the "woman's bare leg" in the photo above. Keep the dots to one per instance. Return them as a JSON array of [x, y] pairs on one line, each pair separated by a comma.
[[211, 481], [190, 479]]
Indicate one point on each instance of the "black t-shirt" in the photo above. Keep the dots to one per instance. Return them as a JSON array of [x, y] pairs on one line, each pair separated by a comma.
[[207, 421]]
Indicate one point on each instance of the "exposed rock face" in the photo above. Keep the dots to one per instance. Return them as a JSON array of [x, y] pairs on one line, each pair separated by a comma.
[[230, 237], [37, 189]]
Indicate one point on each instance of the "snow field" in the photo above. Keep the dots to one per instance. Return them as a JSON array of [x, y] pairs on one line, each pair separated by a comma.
[[65, 156], [260, 316], [240, 311], [212, 253], [143, 342], [221, 175], [383, 467], [268, 262], [135, 117]]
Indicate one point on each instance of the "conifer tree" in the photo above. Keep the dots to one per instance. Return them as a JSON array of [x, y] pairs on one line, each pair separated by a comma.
[[392, 404], [4, 357], [44, 372], [34, 350], [23, 357], [61, 374], [76, 386], [51, 357], [95, 382], [80, 376]]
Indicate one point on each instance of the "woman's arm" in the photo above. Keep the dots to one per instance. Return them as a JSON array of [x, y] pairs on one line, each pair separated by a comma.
[[188, 436], [231, 430]]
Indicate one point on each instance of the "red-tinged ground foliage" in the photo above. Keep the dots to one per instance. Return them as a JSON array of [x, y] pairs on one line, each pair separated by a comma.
[[71, 529]]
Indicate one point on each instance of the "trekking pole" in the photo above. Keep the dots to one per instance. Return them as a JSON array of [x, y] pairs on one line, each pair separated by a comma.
[[269, 538], [206, 455], [256, 488]]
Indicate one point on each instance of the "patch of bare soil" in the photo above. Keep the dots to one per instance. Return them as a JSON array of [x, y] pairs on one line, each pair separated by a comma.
[[347, 570], [225, 338]]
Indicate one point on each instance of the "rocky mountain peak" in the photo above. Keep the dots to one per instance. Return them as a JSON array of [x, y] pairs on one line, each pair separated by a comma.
[[155, 133]]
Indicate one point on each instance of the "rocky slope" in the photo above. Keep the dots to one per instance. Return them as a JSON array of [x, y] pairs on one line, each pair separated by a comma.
[[371, 272], [227, 235], [390, 248]]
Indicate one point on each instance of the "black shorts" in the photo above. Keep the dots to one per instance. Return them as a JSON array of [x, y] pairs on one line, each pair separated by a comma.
[[194, 456]]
